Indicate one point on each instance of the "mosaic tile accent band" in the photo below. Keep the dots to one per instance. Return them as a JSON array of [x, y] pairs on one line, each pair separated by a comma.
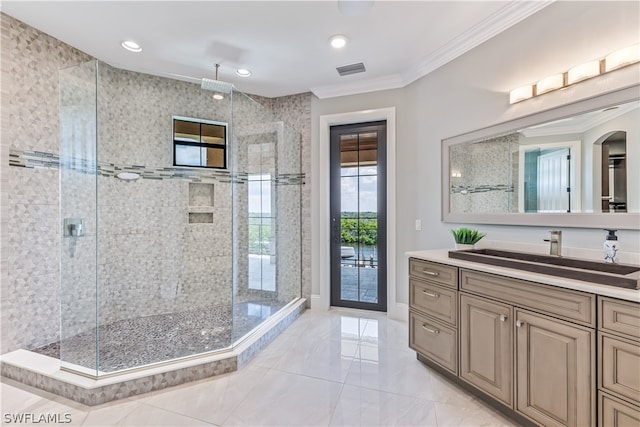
[[40, 159], [508, 188]]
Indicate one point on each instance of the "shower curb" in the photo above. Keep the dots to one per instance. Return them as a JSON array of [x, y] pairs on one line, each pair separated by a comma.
[[44, 372]]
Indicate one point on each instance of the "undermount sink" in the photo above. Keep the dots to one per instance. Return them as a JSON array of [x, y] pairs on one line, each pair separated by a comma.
[[620, 275]]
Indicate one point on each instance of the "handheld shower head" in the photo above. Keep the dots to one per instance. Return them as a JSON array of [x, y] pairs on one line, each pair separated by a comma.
[[216, 85]]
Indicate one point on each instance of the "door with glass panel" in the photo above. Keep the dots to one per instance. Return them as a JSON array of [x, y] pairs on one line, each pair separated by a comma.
[[358, 216]]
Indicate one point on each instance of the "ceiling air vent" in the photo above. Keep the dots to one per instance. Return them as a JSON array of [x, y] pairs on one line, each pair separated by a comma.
[[351, 69]]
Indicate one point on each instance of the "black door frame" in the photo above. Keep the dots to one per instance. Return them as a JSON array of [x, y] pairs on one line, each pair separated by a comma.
[[335, 212]]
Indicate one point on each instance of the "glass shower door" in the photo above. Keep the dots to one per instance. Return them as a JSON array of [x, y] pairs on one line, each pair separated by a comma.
[[78, 239]]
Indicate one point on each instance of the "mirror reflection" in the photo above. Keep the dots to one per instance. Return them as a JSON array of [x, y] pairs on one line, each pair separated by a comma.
[[585, 163]]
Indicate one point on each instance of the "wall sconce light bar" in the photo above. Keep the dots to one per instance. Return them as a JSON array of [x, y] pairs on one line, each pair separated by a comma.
[[622, 58], [521, 93], [618, 59], [583, 72], [550, 83]]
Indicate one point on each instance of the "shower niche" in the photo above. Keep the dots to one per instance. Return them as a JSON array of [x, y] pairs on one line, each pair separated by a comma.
[[166, 268], [201, 197]]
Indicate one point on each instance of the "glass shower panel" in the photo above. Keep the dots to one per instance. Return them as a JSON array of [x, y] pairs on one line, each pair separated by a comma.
[[164, 241], [161, 262], [266, 156], [78, 192]]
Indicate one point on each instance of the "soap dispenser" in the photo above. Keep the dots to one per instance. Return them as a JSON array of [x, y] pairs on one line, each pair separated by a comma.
[[611, 246]]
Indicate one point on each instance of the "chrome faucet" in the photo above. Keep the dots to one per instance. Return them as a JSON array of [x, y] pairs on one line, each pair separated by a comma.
[[556, 243]]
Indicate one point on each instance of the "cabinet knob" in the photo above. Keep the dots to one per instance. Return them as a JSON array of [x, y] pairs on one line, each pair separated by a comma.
[[519, 323], [503, 318], [428, 329], [431, 273], [431, 294]]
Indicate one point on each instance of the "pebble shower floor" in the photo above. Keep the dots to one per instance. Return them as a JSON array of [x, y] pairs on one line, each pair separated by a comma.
[[140, 341]]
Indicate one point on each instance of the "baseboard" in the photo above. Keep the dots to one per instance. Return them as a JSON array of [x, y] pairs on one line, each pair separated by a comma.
[[316, 302], [399, 312]]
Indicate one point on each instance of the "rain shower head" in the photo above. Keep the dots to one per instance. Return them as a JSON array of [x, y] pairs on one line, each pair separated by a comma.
[[216, 85]]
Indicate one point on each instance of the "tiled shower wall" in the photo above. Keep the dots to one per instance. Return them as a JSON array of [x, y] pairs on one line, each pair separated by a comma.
[[30, 236], [140, 276], [295, 111], [487, 176], [151, 258]]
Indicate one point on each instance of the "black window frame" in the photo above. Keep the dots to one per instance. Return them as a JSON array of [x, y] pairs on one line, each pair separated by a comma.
[[224, 147]]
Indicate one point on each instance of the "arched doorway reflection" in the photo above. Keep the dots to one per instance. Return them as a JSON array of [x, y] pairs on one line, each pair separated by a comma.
[[614, 173]]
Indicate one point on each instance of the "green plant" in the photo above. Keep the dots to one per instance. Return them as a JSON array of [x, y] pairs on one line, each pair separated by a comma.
[[466, 236]]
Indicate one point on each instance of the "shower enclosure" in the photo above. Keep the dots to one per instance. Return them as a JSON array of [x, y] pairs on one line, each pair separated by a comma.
[[162, 262]]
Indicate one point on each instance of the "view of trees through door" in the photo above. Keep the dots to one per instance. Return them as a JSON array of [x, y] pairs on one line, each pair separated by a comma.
[[358, 216]]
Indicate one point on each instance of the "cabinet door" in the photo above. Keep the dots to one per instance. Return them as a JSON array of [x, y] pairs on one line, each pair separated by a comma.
[[486, 346], [555, 371]]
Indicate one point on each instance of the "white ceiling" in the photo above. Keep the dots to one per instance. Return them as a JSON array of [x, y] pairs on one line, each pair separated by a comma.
[[284, 43]]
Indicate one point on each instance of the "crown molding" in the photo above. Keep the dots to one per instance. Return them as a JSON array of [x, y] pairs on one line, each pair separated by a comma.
[[503, 19], [491, 26]]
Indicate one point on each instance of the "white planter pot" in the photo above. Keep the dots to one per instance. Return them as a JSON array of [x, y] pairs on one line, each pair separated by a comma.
[[463, 247]]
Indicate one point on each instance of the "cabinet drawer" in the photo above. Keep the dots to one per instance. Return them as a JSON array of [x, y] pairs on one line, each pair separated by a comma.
[[619, 317], [571, 305], [434, 300], [617, 413], [443, 274], [619, 366], [434, 340]]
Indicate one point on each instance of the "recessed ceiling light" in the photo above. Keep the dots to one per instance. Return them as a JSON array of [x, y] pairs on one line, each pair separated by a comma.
[[243, 72], [218, 96], [338, 41], [132, 46]]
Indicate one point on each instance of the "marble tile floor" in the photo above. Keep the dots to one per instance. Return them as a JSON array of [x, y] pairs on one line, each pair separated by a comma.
[[329, 368]]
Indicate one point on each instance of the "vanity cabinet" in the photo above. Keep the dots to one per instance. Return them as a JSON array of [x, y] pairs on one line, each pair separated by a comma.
[[527, 347], [618, 362]]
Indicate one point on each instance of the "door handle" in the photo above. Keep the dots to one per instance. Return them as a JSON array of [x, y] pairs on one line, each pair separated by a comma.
[[519, 323], [503, 318]]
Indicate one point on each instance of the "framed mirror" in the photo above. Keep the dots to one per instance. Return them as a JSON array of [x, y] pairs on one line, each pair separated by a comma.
[[577, 165]]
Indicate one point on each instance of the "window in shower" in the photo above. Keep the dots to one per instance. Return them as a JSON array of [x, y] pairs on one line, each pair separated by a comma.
[[262, 260], [199, 143]]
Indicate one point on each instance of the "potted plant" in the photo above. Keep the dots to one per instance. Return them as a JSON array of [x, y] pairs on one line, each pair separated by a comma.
[[466, 238]]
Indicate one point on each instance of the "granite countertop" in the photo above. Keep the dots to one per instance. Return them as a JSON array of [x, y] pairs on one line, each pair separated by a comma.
[[442, 256]]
